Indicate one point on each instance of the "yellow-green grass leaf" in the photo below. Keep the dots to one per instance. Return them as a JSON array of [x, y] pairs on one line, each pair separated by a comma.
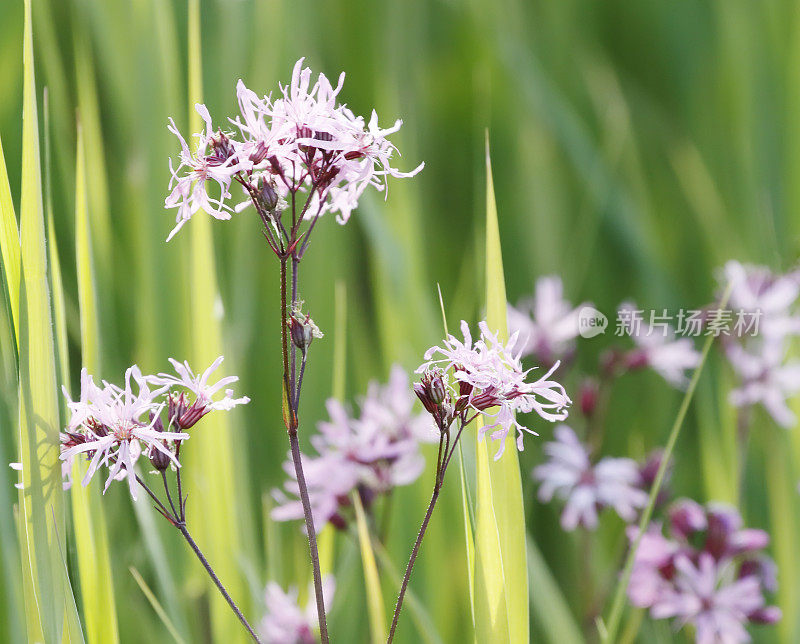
[[500, 512], [41, 499], [549, 606], [95, 173], [210, 462], [9, 241], [157, 607], [91, 540], [372, 581]]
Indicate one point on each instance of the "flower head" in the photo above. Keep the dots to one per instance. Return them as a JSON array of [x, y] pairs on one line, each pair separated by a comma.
[[587, 488], [114, 426], [491, 381], [184, 414], [304, 140], [285, 622], [709, 573]]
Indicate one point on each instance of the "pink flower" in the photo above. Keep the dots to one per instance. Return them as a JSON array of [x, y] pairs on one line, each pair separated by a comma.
[[773, 298], [547, 323], [766, 379], [213, 160], [659, 350], [704, 596], [285, 622], [108, 425], [183, 414], [490, 374], [709, 574], [587, 488]]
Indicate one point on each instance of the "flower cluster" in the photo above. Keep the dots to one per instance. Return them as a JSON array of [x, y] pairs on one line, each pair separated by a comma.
[[370, 453], [304, 140], [489, 379], [113, 426], [285, 622], [588, 488], [709, 572], [766, 377], [547, 323]]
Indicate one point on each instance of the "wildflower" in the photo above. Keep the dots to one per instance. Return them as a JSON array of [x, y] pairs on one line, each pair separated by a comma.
[[213, 160], [285, 622], [302, 141], [766, 379], [114, 426], [185, 415], [302, 328], [111, 429], [758, 291], [372, 452], [587, 488], [547, 323], [659, 350], [709, 573], [490, 375]]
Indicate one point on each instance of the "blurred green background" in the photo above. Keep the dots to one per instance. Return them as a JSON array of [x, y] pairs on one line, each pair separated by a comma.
[[636, 147]]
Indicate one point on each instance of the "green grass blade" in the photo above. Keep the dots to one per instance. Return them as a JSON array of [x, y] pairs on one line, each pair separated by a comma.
[[9, 241], [157, 607], [211, 463], [549, 606], [372, 581], [94, 560], [501, 577], [41, 500]]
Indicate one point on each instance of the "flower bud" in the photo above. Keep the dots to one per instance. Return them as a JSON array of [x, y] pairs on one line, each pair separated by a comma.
[[302, 330], [589, 397], [267, 196], [159, 460]]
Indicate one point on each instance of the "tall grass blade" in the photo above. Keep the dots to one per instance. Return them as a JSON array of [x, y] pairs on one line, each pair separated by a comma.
[[211, 469], [41, 500], [372, 581], [9, 241], [94, 561], [157, 607], [550, 607], [499, 486]]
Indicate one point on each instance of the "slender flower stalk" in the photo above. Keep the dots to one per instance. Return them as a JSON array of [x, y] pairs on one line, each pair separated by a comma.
[[302, 153], [488, 380], [114, 427]]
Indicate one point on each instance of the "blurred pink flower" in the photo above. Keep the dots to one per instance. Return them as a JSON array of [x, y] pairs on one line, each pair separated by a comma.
[[547, 323], [491, 374], [586, 488], [766, 378], [773, 297], [372, 452], [710, 573], [658, 349], [285, 622]]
